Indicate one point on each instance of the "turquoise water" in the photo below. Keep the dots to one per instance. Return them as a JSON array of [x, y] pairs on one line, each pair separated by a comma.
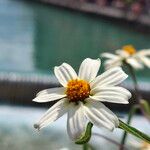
[[35, 37]]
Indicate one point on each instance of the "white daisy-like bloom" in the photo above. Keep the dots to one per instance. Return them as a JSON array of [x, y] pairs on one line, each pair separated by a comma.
[[82, 95], [128, 54]]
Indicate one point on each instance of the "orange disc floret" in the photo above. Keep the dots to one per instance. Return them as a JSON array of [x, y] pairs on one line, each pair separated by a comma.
[[129, 49], [77, 90]]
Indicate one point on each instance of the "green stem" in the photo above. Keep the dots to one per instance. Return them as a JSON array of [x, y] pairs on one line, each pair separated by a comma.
[[131, 113], [138, 98], [85, 146], [137, 92], [135, 83], [134, 131]]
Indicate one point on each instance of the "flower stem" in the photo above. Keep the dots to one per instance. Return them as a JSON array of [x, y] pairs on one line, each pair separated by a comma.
[[85, 146], [137, 92], [136, 87], [134, 131], [131, 113], [133, 107]]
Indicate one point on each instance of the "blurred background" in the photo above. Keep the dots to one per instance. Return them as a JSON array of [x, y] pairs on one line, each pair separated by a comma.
[[37, 35]]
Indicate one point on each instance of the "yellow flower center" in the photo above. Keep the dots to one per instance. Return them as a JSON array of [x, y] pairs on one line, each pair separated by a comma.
[[77, 90], [129, 49]]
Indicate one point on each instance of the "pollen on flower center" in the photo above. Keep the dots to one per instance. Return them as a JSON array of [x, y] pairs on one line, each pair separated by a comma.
[[129, 49], [77, 90]]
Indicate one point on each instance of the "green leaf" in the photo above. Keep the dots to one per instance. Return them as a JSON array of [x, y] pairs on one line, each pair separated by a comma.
[[86, 136], [134, 131], [146, 106]]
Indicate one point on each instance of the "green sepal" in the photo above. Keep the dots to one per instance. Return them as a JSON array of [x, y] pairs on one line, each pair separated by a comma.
[[86, 136]]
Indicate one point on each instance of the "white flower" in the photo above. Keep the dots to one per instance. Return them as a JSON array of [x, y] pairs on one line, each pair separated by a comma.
[[128, 54], [81, 97]]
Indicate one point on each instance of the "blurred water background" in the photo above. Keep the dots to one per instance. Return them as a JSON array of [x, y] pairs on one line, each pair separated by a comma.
[[35, 37]]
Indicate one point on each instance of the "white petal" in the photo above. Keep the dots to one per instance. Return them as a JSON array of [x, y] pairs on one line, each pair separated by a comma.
[[55, 112], [76, 122], [111, 94], [57, 90], [100, 115], [111, 77], [145, 60], [89, 69], [134, 63], [108, 113], [144, 52], [122, 53], [50, 95], [109, 55], [65, 73], [112, 63]]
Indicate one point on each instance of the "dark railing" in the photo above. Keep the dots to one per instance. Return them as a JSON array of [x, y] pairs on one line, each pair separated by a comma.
[[134, 11], [16, 89]]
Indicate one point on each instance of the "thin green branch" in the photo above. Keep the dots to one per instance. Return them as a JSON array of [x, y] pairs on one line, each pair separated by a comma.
[[137, 92], [138, 99], [131, 113], [134, 131], [86, 146], [135, 83]]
